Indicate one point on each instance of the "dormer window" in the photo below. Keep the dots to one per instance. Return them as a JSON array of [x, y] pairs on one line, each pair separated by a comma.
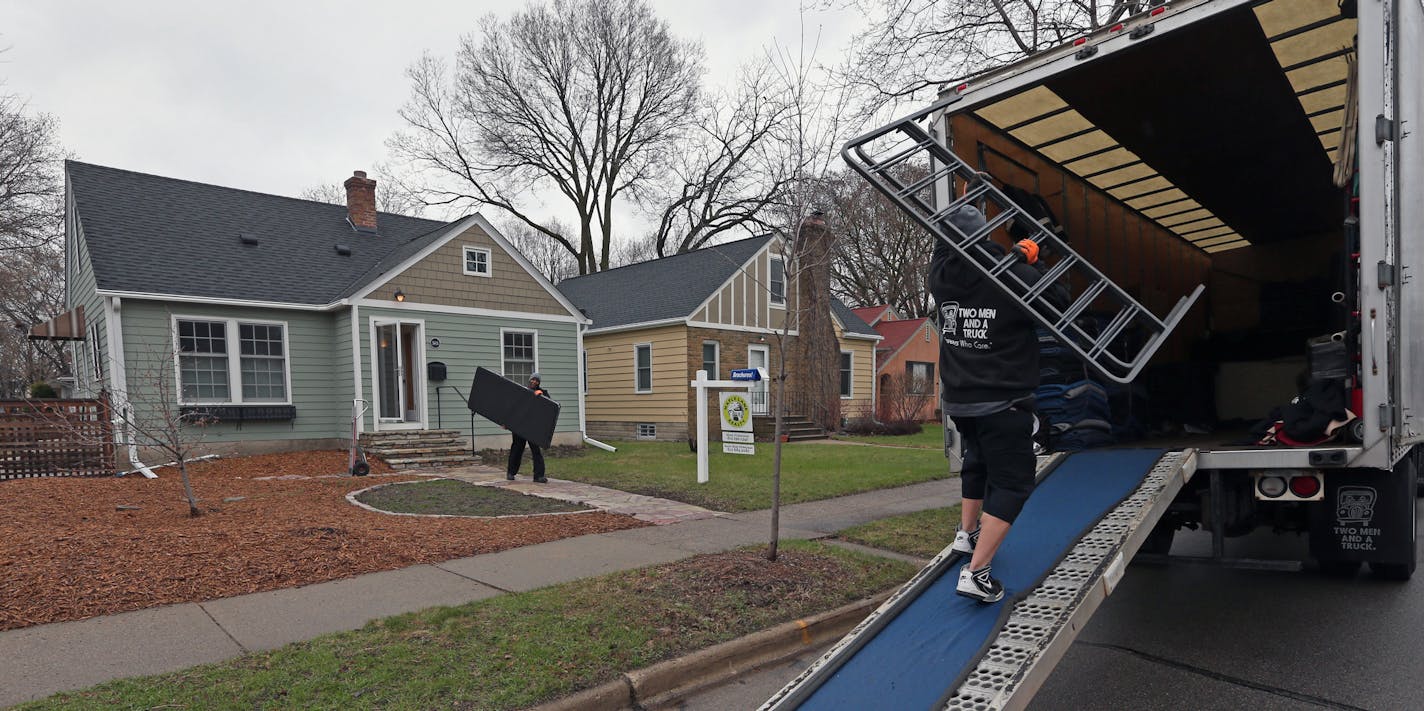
[[477, 261], [778, 282]]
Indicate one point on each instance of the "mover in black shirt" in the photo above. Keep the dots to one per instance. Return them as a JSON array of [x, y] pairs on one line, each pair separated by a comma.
[[988, 364]]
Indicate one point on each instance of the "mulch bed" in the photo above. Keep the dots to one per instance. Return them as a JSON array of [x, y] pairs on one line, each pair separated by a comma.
[[66, 553]]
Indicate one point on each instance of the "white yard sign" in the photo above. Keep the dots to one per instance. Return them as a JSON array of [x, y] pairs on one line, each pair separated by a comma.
[[740, 436], [736, 409]]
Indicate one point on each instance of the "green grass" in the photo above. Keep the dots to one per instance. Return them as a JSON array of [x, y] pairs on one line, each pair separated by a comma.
[[923, 533], [522, 649], [459, 498], [738, 482], [931, 437]]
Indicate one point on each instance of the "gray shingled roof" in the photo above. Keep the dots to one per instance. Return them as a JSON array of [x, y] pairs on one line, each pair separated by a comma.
[[672, 287], [152, 234], [851, 322]]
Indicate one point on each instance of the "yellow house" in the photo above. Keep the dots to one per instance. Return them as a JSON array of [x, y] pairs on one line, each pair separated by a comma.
[[656, 323]]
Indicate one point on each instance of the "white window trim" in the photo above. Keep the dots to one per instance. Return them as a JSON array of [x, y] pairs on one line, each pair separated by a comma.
[[771, 295], [465, 260], [636, 346], [533, 332], [716, 358], [638, 431], [850, 395], [234, 358]]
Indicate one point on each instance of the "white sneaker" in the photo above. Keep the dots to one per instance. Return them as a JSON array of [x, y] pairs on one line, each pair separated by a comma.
[[965, 542], [978, 585]]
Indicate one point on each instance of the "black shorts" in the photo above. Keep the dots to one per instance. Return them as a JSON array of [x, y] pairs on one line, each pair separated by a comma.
[[998, 460]]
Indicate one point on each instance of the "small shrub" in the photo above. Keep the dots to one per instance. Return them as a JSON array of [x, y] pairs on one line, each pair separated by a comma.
[[42, 389], [867, 426]]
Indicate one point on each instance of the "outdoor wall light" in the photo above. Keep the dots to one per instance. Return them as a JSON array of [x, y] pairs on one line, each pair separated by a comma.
[[400, 295]]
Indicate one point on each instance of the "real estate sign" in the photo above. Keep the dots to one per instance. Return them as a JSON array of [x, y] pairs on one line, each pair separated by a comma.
[[736, 412]]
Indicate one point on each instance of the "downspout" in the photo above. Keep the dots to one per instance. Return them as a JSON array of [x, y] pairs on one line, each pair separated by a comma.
[[356, 391], [113, 322], [583, 406]]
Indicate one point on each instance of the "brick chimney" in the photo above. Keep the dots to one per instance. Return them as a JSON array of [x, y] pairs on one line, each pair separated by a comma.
[[361, 201]]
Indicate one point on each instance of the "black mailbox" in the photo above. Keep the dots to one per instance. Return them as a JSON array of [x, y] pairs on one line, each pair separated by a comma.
[[435, 370]]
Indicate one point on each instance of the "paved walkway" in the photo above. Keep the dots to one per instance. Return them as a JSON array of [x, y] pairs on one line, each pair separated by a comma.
[[46, 659]]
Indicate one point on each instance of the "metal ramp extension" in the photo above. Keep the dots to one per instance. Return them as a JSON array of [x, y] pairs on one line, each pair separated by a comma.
[[1040, 627], [917, 173]]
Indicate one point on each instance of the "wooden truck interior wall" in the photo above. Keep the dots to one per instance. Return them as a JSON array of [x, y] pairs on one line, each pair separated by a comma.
[[1201, 156]]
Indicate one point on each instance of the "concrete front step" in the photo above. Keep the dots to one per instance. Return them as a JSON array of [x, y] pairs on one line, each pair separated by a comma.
[[404, 451], [432, 461]]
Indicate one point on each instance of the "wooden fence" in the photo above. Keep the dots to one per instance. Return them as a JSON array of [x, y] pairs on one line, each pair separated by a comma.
[[55, 438]]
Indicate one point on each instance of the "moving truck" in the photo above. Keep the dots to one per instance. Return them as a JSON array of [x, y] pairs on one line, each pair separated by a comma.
[[1271, 152]]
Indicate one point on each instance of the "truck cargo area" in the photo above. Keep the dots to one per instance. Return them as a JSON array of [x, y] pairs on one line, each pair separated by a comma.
[[1206, 155]]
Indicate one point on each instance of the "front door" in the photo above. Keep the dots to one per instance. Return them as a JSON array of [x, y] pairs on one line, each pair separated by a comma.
[[398, 366], [757, 358]]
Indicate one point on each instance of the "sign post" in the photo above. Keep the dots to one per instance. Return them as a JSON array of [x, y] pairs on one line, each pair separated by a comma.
[[700, 383]]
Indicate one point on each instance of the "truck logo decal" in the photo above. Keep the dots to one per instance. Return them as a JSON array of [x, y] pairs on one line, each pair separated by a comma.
[[1355, 505], [949, 319]]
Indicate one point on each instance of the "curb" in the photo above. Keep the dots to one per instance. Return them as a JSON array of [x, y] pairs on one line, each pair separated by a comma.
[[665, 683]]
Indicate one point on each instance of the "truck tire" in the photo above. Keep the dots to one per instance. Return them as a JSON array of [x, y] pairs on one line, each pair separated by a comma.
[[1159, 541]]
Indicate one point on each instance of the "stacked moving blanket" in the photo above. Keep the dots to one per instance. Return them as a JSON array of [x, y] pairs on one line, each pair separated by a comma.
[[1074, 407]]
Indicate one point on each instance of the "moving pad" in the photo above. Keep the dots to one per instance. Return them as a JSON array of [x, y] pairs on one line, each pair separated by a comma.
[[514, 407], [921, 656]]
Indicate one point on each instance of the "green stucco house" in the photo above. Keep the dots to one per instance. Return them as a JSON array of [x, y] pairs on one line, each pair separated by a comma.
[[277, 317]]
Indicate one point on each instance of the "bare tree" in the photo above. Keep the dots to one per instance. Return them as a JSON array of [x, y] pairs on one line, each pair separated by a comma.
[[881, 257], [31, 265], [726, 176], [910, 46], [550, 259], [634, 251], [31, 291], [588, 98], [147, 413], [31, 190], [806, 155], [903, 398], [393, 195]]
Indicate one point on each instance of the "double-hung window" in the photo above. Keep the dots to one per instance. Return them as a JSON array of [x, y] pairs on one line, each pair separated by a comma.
[[847, 358], [778, 282], [213, 369], [521, 355], [918, 376], [710, 357], [643, 368]]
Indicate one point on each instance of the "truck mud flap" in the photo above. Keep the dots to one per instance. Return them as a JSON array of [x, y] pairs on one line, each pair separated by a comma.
[[1367, 515]]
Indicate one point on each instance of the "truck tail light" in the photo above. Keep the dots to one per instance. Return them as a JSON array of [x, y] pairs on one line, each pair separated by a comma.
[[1271, 486], [1305, 486]]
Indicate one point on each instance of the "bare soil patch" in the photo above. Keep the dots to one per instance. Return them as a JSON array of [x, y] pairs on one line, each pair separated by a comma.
[[67, 553]]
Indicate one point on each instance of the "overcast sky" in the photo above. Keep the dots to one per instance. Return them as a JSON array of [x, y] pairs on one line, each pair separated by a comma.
[[280, 96]]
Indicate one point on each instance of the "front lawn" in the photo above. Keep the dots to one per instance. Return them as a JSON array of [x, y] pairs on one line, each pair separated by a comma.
[[517, 650], [923, 533], [452, 497], [931, 437], [737, 482]]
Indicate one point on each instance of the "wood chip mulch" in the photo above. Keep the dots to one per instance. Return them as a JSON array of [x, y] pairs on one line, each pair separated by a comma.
[[67, 553]]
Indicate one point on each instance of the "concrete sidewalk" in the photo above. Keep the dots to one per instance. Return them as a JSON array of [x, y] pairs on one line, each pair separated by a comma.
[[50, 658]]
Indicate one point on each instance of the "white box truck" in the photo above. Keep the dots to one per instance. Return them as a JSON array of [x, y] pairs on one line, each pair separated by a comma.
[[1270, 152]]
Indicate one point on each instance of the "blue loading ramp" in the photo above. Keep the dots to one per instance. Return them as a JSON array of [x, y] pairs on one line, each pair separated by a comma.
[[929, 648]]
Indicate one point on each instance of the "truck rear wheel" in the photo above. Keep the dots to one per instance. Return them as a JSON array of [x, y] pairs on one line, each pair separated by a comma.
[[1339, 568]]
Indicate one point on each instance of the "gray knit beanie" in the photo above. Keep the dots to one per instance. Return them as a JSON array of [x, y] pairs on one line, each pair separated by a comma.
[[968, 219]]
